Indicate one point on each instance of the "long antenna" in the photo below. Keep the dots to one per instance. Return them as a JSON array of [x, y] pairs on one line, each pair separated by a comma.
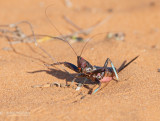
[[106, 19], [90, 40], [57, 29], [30, 25]]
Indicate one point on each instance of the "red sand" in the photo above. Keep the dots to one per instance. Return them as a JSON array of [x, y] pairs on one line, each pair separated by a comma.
[[136, 97]]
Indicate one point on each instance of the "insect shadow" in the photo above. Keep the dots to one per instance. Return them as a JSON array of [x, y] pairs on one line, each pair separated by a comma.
[[63, 75], [68, 77]]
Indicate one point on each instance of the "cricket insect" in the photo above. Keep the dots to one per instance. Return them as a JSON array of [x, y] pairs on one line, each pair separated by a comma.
[[95, 73], [85, 69]]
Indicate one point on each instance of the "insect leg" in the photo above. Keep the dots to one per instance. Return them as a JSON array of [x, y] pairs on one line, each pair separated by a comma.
[[106, 63], [80, 85], [67, 64], [77, 76], [74, 79], [97, 88]]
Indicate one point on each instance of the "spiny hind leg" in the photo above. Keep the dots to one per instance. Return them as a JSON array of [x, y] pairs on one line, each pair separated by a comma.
[[106, 63]]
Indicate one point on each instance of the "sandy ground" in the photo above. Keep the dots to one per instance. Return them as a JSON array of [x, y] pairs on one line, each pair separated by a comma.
[[136, 97]]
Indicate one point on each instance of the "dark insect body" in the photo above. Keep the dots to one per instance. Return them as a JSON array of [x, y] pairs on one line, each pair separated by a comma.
[[95, 73], [85, 69]]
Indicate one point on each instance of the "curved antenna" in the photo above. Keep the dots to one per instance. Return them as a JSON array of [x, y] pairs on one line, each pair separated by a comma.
[[57, 29], [90, 40], [30, 25]]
